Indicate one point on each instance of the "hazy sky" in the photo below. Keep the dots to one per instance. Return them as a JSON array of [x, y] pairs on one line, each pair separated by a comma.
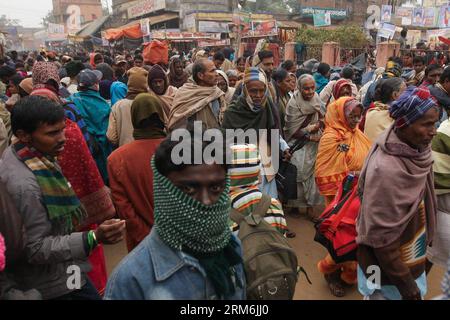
[[29, 12]]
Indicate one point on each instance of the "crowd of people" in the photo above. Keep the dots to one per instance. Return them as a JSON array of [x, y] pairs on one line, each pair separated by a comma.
[[87, 144]]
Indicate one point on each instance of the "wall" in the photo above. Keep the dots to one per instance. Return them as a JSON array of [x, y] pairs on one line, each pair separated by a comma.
[[87, 7]]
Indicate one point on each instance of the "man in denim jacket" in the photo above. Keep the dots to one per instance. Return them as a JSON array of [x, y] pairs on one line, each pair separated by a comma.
[[190, 253]]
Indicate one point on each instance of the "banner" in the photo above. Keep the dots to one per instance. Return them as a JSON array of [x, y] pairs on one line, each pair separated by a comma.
[[322, 19], [338, 14], [418, 17], [444, 17], [144, 7], [429, 17], [387, 31], [413, 37], [386, 13], [213, 26], [405, 14], [217, 43], [242, 22], [264, 28], [54, 28], [145, 27]]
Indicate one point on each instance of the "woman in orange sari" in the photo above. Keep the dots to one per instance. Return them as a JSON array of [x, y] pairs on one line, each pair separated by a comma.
[[342, 150]]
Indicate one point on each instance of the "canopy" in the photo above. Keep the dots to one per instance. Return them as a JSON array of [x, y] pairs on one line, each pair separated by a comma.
[[132, 32]]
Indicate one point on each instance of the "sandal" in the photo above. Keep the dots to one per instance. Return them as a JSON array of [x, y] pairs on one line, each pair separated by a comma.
[[335, 286], [290, 234]]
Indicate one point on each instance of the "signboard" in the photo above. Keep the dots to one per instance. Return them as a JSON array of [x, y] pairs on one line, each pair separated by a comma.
[[55, 28], [439, 32], [387, 31], [213, 26], [145, 27], [405, 14], [264, 28], [56, 31], [185, 35], [322, 19], [216, 43], [144, 7], [386, 13], [413, 37], [444, 17], [338, 14], [418, 17], [429, 17], [242, 21], [74, 20], [189, 22]]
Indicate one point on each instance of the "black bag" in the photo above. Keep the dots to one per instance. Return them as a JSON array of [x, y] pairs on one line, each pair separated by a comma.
[[286, 177]]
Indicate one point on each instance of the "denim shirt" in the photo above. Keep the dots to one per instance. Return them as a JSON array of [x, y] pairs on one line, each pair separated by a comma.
[[154, 271]]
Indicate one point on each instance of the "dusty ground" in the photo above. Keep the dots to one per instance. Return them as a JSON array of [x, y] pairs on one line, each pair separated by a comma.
[[309, 253]]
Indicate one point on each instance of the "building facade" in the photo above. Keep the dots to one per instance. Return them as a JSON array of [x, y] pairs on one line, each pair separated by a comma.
[[76, 12]]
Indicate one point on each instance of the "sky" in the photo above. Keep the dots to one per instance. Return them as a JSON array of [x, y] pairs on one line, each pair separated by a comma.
[[29, 12]]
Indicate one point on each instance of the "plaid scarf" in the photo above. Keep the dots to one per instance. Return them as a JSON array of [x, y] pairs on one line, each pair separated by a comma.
[[64, 209]]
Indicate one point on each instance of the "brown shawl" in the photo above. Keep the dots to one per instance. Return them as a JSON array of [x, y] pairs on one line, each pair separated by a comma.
[[394, 181], [190, 99]]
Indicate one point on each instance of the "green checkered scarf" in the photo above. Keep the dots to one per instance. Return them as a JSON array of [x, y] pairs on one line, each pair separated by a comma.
[[65, 211], [185, 223]]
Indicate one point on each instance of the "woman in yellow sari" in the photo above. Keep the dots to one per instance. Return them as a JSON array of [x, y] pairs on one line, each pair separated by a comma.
[[343, 147], [342, 150]]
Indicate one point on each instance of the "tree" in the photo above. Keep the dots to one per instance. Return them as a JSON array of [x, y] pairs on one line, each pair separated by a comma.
[[272, 6], [49, 18], [6, 22]]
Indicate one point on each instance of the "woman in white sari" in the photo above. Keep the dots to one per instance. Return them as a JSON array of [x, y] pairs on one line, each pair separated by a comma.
[[304, 114]]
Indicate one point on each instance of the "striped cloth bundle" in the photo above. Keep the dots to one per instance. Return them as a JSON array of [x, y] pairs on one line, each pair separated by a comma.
[[244, 174], [441, 156]]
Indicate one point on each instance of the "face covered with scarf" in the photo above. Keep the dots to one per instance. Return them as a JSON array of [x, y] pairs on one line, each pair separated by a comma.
[[192, 205], [415, 113], [255, 88]]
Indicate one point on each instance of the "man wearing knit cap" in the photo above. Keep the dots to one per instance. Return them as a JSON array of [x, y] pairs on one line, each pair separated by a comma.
[[158, 83], [393, 234], [120, 128], [199, 99]]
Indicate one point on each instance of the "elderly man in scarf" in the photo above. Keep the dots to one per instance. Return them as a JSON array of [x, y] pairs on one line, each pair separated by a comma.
[[398, 207], [130, 175], [199, 99], [158, 84], [120, 127], [254, 110]]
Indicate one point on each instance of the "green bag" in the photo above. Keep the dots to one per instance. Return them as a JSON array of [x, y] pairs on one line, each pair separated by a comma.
[[270, 263]]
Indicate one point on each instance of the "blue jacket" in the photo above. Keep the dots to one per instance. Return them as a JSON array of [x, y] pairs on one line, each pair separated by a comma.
[[154, 271]]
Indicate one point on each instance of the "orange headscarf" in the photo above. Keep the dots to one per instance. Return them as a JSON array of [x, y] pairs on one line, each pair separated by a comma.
[[332, 165]]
